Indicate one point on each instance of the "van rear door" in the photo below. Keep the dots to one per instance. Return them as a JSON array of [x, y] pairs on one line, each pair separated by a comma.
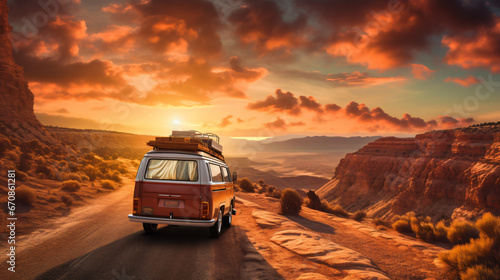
[[171, 189]]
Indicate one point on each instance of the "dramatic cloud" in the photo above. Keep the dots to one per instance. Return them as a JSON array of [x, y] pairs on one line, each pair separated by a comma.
[[465, 82], [288, 103], [262, 24], [278, 124], [360, 79], [480, 49], [310, 103], [387, 34], [226, 121], [165, 23], [421, 72], [283, 102]]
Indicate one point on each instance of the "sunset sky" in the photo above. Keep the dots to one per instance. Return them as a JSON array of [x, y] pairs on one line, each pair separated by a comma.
[[261, 68]]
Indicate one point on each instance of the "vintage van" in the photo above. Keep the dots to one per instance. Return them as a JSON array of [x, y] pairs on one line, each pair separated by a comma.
[[184, 183]]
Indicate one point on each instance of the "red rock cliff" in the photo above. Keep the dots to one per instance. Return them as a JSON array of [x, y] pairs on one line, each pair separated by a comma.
[[438, 173], [17, 119]]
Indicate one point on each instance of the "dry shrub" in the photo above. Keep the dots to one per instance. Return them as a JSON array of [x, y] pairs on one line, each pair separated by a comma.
[[489, 226], [22, 176], [423, 230], [462, 232], [71, 186], [246, 185], [381, 222], [277, 193], [25, 196], [84, 177], [359, 215], [108, 184], [402, 226], [480, 272], [115, 176], [335, 210], [291, 202], [441, 232], [313, 201], [74, 176], [53, 199], [479, 259], [68, 200]]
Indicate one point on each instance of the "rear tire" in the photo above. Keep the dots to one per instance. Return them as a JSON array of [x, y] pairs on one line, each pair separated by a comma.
[[227, 220], [149, 228], [216, 229]]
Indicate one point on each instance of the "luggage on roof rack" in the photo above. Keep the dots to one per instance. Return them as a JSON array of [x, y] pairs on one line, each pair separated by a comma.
[[191, 141]]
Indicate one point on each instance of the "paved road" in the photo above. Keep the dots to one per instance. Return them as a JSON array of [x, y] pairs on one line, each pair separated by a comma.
[[98, 242]]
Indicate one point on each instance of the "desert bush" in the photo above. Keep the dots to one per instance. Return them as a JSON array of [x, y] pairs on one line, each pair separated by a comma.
[[53, 199], [276, 193], [461, 257], [91, 172], [479, 259], [25, 196], [402, 226], [74, 176], [480, 272], [70, 186], [335, 210], [108, 184], [115, 176], [462, 232], [236, 188], [441, 232], [489, 226], [261, 182], [359, 215], [381, 222], [291, 202], [246, 185], [22, 176], [314, 201], [270, 189], [68, 200], [423, 230]]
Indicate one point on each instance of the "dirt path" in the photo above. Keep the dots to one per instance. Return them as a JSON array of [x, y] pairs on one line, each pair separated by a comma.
[[400, 257]]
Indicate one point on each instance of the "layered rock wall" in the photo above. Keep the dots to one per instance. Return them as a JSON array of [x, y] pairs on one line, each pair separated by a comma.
[[434, 173]]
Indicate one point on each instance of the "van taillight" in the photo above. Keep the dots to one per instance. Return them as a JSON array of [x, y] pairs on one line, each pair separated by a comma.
[[204, 209], [136, 206]]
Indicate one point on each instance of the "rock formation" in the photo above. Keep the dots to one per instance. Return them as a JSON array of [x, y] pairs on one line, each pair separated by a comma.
[[17, 119], [438, 173]]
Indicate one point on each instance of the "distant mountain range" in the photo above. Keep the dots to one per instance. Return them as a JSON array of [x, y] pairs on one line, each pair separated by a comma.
[[320, 144]]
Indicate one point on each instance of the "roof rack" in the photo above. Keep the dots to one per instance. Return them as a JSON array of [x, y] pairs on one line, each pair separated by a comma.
[[190, 140]]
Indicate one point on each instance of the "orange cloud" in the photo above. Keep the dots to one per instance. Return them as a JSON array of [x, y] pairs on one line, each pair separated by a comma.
[[278, 124], [357, 78], [465, 82], [421, 72], [261, 23], [477, 50], [226, 121]]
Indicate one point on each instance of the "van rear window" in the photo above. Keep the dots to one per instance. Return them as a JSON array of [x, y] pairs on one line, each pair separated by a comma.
[[174, 170]]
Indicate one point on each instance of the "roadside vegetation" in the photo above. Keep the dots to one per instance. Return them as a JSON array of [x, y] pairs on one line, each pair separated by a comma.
[[291, 202], [478, 258]]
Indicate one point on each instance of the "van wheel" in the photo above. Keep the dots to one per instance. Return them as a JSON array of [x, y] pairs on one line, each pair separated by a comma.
[[217, 227], [149, 228], [227, 220]]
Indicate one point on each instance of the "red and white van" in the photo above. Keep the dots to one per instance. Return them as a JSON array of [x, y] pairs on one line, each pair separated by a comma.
[[183, 188]]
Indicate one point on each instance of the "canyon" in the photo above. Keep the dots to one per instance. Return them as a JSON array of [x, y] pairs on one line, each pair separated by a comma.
[[443, 174]]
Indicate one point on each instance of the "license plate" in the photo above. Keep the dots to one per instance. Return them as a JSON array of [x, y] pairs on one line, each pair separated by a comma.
[[171, 203]]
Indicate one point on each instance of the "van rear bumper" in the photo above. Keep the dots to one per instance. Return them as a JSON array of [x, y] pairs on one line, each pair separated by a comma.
[[172, 222]]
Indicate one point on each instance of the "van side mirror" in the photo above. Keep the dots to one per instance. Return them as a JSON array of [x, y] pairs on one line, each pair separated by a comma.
[[235, 176]]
